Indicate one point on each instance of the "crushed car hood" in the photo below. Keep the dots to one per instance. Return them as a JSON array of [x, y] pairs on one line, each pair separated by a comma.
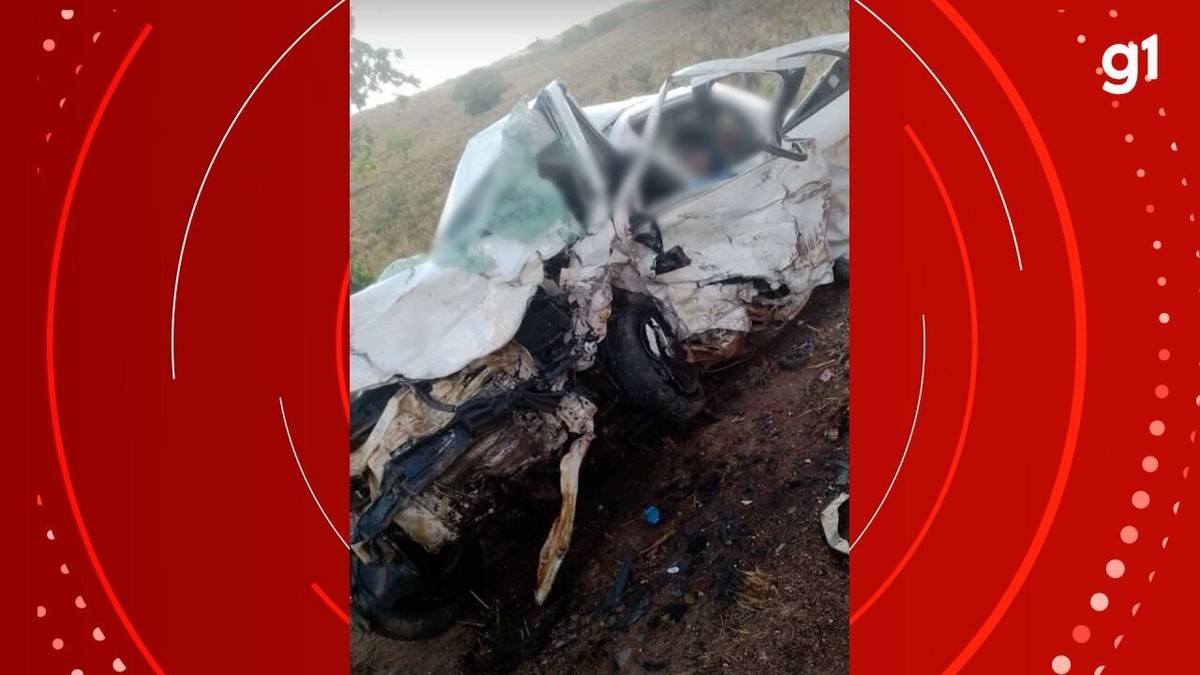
[[428, 316]]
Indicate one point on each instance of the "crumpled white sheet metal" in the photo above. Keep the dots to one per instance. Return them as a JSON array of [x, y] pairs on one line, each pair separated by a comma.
[[767, 224], [837, 158], [829, 525], [587, 283], [830, 128], [430, 321]]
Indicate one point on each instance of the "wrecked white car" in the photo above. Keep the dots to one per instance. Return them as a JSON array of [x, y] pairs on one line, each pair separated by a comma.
[[648, 238]]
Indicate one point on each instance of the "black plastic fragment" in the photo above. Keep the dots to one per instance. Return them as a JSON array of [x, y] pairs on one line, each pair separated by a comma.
[[645, 231], [671, 260], [617, 590]]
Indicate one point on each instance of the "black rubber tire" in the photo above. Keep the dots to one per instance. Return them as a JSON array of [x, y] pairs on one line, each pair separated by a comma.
[[663, 385], [841, 271], [427, 606]]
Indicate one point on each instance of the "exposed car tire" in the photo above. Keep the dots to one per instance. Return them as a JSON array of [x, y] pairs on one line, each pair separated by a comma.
[[416, 598], [841, 270], [641, 357]]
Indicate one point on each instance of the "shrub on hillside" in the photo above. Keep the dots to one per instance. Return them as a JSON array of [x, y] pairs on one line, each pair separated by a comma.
[[479, 90], [640, 74], [360, 277], [390, 210], [362, 151], [400, 143]]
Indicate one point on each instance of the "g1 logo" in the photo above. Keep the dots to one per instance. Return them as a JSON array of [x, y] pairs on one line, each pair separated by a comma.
[[1126, 78]]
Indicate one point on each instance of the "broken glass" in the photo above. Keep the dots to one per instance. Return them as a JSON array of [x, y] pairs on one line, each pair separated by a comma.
[[507, 206]]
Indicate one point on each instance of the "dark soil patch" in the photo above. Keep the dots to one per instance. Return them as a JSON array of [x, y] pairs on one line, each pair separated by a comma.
[[736, 576]]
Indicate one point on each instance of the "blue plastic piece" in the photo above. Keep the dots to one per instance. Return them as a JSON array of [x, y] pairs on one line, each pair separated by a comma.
[[652, 515]]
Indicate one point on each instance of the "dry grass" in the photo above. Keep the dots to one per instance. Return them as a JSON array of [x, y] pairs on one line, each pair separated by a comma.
[[417, 141], [756, 591]]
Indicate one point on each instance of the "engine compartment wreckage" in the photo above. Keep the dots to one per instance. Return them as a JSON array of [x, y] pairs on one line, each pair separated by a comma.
[[648, 237]]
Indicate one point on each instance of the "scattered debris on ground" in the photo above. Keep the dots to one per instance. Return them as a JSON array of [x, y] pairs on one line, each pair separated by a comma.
[[696, 550], [830, 523]]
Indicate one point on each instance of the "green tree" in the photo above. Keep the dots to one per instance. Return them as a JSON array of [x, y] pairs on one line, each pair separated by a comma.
[[479, 90], [372, 69]]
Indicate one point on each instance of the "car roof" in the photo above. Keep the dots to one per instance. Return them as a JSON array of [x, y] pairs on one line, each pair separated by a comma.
[[786, 57]]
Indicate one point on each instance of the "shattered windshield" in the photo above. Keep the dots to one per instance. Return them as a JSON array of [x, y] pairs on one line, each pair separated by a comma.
[[498, 203]]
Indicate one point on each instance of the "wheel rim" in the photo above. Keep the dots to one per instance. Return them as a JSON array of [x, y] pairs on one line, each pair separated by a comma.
[[662, 349]]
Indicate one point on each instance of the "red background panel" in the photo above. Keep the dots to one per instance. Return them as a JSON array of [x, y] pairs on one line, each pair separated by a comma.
[[174, 513], [997, 574], [196, 510]]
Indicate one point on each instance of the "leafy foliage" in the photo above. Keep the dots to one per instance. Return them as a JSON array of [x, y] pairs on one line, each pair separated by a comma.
[[360, 277], [372, 69], [362, 151], [479, 90]]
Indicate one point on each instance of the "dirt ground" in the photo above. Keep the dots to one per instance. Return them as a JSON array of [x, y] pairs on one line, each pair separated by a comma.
[[735, 577]]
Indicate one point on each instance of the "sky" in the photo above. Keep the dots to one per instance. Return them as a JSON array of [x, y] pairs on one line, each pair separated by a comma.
[[442, 39]]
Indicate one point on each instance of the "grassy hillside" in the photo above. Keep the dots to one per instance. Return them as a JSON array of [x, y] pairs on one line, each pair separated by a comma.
[[414, 143]]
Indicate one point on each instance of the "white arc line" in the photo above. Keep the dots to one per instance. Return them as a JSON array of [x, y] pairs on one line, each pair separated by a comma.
[[288, 431], [970, 129], [907, 443], [192, 214]]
